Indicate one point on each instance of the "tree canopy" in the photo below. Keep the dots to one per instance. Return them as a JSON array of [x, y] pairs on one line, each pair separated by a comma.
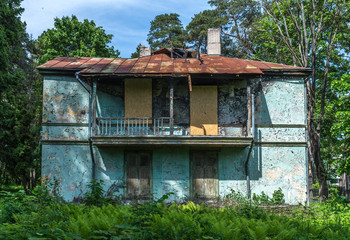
[[166, 31], [198, 28], [72, 38], [20, 100]]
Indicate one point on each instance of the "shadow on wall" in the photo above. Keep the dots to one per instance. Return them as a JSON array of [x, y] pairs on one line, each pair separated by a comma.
[[255, 161], [110, 168], [262, 114], [232, 164]]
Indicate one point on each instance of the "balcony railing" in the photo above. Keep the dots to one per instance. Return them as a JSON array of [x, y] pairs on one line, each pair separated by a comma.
[[124, 126]]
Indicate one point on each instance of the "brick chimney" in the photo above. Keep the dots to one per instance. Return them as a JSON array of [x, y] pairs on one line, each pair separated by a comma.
[[214, 46], [145, 51]]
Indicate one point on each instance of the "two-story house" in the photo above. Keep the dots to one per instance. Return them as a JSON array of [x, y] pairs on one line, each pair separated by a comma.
[[196, 125]]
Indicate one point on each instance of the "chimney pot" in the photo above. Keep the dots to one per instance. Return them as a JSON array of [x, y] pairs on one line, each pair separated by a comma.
[[145, 51], [214, 45]]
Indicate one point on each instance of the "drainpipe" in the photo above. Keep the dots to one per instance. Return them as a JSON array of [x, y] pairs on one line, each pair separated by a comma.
[[306, 149], [246, 165], [88, 89]]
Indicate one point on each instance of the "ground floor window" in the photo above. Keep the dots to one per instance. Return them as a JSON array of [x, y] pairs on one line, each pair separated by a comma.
[[138, 174], [204, 174]]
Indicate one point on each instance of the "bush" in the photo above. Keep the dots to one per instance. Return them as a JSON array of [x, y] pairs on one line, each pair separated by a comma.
[[156, 220]]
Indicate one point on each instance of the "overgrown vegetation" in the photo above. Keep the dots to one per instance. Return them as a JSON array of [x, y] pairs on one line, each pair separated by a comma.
[[44, 216]]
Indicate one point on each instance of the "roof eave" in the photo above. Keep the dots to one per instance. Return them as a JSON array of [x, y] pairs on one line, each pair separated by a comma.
[[290, 71]]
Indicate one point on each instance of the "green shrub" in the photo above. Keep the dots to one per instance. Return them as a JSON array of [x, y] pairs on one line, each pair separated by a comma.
[[278, 197], [156, 220]]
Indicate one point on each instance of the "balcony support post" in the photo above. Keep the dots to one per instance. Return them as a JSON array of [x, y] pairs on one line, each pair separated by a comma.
[[249, 109], [94, 107], [171, 106]]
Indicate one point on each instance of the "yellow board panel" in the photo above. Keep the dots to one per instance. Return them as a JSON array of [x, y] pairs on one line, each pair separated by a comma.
[[204, 110], [138, 97]]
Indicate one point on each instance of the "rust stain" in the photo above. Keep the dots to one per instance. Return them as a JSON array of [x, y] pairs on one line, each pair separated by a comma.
[[161, 63], [273, 174]]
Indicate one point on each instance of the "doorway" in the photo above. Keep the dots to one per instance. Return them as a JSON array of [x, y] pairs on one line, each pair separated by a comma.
[[204, 171]]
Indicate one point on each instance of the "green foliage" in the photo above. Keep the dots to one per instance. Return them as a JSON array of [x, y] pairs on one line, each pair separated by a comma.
[[72, 38], [136, 54], [95, 195], [20, 101], [48, 192], [341, 128], [16, 203], [166, 32], [263, 198], [240, 28], [198, 28], [156, 220], [278, 197], [236, 197]]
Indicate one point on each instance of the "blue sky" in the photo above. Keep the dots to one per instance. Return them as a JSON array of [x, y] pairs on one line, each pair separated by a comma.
[[128, 20]]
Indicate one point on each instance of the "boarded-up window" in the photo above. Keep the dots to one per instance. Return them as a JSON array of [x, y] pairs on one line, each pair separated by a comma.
[[204, 110], [204, 174], [138, 97], [138, 171]]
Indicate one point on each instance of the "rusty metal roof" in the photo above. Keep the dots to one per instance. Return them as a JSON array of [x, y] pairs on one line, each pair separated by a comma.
[[163, 64]]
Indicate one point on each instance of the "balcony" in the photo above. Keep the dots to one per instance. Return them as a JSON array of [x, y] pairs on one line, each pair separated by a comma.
[[144, 126], [123, 131]]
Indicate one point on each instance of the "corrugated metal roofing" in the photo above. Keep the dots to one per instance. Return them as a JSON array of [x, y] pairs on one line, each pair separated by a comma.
[[163, 64]]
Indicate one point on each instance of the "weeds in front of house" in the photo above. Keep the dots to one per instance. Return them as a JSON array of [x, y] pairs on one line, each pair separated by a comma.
[[47, 217]]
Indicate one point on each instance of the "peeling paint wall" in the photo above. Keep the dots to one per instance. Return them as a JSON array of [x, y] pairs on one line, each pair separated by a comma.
[[279, 101], [64, 100], [279, 167], [277, 160], [70, 133], [110, 169], [70, 165], [232, 170], [171, 172]]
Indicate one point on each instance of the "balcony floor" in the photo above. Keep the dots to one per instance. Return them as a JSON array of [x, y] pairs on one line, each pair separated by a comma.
[[199, 141]]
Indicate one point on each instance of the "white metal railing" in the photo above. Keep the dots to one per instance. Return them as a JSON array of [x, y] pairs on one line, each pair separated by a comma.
[[107, 126]]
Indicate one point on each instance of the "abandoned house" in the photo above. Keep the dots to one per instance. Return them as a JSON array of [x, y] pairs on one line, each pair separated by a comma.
[[197, 125]]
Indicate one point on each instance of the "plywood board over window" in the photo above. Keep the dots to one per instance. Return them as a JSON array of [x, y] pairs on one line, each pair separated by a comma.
[[204, 110], [138, 97]]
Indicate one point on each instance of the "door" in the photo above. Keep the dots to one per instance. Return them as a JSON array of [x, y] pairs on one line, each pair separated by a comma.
[[204, 110], [138, 172], [205, 182]]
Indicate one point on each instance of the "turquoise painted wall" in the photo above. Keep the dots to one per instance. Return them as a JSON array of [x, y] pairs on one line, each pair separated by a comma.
[[277, 160], [70, 165], [171, 172], [279, 167], [232, 170], [64, 100], [110, 169]]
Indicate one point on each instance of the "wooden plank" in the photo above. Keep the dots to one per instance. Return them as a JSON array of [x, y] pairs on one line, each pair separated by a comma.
[[204, 174], [132, 175], [138, 97], [211, 176], [138, 174], [204, 110]]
